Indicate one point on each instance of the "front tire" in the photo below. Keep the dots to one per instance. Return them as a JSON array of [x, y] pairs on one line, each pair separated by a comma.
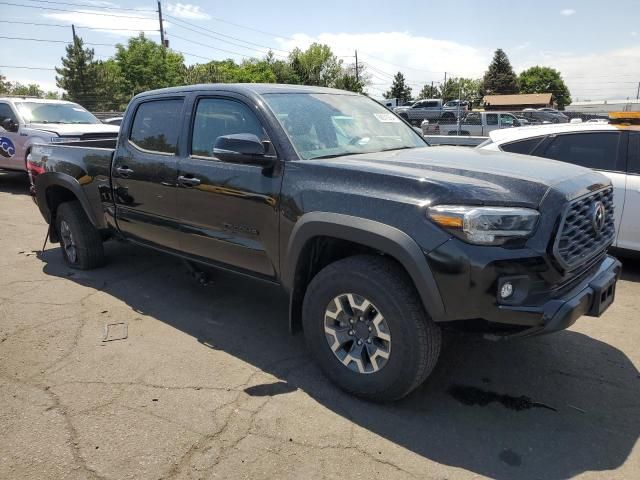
[[367, 329], [81, 242]]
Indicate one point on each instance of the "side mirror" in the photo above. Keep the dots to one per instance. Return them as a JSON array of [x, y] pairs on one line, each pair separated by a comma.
[[516, 123], [9, 125], [241, 148]]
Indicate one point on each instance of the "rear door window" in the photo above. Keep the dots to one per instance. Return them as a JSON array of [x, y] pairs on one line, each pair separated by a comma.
[[156, 126], [597, 150], [492, 119]]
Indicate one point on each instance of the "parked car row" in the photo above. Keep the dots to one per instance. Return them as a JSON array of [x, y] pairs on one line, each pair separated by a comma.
[[374, 235]]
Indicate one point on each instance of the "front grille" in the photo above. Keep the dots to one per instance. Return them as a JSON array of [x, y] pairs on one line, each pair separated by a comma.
[[578, 240], [98, 135]]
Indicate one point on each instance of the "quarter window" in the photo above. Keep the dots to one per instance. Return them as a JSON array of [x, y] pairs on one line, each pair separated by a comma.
[[597, 150], [216, 117], [522, 146], [156, 126]]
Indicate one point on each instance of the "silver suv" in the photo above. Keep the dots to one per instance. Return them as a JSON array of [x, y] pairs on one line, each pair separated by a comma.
[[25, 121]]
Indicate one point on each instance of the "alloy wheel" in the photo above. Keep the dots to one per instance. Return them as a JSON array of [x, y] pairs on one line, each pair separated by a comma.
[[357, 333]]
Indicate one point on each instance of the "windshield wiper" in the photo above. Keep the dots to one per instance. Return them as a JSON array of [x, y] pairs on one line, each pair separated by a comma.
[[334, 155], [397, 148]]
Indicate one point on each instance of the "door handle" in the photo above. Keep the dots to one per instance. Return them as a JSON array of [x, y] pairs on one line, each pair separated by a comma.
[[124, 171], [188, 181]]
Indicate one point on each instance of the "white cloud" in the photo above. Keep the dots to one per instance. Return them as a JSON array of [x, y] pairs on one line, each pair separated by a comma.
[[421, 59], [634, 34], [567, 12], [121, 24], [187, 10], [611, 74]]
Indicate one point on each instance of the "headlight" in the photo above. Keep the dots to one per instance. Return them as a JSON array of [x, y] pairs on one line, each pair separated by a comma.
[[485, 225], [63, 139]]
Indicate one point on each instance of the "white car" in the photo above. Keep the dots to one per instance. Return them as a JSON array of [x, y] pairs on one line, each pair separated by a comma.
[[613, 150]]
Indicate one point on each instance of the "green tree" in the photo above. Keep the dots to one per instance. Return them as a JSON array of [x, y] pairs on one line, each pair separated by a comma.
[[500, 78], [317, 65], [462, 88], [4, 85], [545, 80], [145, 65], [31, 90], [77, 76], [110, 94], [399, 88], [429, 91]]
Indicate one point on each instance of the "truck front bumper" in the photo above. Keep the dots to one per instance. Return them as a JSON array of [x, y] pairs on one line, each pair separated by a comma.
[[591, 298], [545, 299]]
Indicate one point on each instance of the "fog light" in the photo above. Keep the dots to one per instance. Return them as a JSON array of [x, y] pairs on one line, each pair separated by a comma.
[[506, 290]]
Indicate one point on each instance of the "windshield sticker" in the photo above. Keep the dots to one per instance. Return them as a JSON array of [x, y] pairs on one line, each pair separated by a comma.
[[386, 117], [7, 148]]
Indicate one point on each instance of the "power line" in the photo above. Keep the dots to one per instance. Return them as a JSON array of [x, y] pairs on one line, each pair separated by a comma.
[[92, 6], [77, 26], [222, 40], [95, 12], [26, 68], [208, 46], [56, 41]]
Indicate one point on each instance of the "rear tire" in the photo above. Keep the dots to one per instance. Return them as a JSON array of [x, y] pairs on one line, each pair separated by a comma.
[[80, 241], [374, 369]]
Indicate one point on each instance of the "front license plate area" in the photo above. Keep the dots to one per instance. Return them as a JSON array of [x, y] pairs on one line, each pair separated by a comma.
[[604, 291]]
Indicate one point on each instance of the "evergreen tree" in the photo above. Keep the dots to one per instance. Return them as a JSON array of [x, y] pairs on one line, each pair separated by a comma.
[[78, 74], [399, 88], [500, 79]]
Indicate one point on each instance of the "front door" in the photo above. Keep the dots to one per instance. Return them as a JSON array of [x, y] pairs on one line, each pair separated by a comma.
[[228, 211], [11, 151], [144, 173]]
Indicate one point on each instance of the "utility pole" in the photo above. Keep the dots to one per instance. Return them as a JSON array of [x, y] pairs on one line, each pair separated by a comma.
[[357, 69], [161, 26], [638, 93], [444, 85]]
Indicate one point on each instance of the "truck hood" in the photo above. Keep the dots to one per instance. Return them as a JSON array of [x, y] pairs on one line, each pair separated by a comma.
[[70, 130], [462, 175]]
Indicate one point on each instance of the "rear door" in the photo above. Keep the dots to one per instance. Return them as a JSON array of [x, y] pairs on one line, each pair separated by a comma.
[[145, 170], [228, 210], [604, 151], [629, 234]]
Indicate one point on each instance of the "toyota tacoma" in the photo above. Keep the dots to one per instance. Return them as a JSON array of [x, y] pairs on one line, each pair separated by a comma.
[[379, 239]]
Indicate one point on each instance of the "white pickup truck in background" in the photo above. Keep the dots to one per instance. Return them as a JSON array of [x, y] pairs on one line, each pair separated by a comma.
[[474, 123], [432, 109]]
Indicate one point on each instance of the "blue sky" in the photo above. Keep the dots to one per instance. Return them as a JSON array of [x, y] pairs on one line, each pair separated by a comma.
[[595, 44]]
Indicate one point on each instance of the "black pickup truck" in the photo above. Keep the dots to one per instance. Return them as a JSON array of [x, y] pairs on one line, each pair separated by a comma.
[[378, 238]]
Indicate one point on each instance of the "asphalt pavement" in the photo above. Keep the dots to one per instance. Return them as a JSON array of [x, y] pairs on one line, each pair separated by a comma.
[[135, 371]]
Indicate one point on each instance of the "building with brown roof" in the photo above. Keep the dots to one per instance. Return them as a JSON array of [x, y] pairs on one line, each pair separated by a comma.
[[518, 102]]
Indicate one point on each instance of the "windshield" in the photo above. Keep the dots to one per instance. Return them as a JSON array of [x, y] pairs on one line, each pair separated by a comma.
[[36, 112], [327, 125]]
